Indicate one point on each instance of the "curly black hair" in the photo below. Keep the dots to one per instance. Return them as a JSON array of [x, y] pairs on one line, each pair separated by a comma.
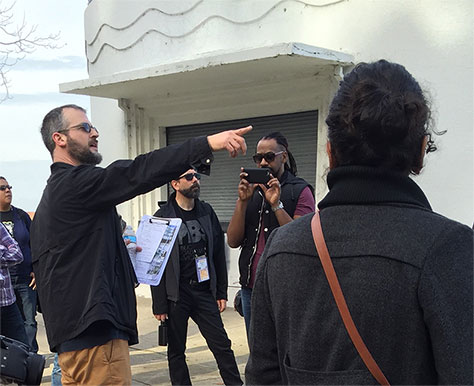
[[379, 117]]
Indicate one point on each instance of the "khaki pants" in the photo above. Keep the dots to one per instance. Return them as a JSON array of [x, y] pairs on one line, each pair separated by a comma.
[[108, 364]]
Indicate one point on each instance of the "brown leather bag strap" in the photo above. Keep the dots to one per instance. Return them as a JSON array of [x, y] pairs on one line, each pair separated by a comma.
[[341, 301]]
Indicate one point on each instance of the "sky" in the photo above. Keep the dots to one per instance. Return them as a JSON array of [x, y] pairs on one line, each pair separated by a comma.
[[34, 90]]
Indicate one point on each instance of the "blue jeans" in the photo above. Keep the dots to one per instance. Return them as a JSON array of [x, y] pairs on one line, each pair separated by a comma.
[[11, 324], [56, 373], [26, 300], [246, 296]]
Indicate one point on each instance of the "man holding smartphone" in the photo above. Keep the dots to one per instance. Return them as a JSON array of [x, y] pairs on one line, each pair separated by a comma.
[[261, 208]]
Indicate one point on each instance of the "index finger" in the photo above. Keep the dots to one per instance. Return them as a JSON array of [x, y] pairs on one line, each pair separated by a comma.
[[243, 130]]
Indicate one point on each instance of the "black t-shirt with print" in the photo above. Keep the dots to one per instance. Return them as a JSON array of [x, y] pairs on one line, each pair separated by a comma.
[[6, 218], [192, 243]]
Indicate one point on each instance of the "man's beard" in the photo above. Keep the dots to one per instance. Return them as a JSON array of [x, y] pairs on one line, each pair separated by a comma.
[[192, 192], [82, 153]]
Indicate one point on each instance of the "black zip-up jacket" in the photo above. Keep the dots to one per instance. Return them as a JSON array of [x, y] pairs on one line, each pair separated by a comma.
[[168, 289], [83, 271], [291, 188]]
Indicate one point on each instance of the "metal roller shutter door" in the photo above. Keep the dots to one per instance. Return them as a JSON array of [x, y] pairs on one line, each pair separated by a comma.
[[220, 188]]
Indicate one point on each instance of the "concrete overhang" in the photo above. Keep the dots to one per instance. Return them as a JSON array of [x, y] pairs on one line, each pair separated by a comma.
[[214, 72]]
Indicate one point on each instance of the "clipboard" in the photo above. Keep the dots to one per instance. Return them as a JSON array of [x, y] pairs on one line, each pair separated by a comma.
[[156, 236]]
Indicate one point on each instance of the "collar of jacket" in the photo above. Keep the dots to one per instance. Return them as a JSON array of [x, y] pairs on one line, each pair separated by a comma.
[[286, 178], [353, 185], [60, 165]]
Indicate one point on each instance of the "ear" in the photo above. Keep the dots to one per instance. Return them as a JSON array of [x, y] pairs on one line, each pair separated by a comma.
[[59, 139], [332, 161], [174, 184], [424, 143]]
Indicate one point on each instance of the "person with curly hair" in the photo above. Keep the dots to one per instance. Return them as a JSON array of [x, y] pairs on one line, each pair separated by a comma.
[[406, 272]]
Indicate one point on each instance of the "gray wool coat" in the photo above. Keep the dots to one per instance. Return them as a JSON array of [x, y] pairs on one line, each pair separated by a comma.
[[407, 276]]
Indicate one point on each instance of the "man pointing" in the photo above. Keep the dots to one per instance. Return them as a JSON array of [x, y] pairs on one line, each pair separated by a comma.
[[84, 277]]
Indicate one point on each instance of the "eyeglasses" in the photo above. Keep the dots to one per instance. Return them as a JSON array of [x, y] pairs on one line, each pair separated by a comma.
[[190, 176], [5, 187], [269, 156], [87, 127]]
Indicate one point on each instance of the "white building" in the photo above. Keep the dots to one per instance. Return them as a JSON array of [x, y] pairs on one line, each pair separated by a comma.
[[172, 69]]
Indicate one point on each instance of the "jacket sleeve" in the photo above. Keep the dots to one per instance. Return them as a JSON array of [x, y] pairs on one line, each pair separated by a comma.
[[159, 298], [263, 364], [25, 218], [445, 294], [10, 253], [159, 295], [96, 188], [219, 257]]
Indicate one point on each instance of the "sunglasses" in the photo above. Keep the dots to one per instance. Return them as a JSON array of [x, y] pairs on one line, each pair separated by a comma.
[[87, 127], [190, 176], [269, 156], [5, 187]]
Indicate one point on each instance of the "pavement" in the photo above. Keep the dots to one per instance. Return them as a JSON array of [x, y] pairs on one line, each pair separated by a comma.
[[148, 360]]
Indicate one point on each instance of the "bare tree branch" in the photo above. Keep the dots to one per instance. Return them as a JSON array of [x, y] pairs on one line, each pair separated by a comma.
[[17, 41]]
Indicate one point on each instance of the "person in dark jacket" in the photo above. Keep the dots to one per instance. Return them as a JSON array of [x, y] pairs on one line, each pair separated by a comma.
[[85, 279], [195, 282], [260, 209], [406, 272], [11, 322], [18, 223]]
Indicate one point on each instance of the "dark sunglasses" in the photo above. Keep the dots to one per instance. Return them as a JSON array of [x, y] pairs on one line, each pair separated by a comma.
[[190, 176], [5, 187], [87, 127], [269, 156]]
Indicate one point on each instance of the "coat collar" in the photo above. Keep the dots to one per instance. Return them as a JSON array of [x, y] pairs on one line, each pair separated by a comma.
[[362, 185]]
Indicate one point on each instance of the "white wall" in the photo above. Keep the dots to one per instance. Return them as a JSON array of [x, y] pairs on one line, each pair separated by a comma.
[[434, 41], [116, 126], [113, 136], [432, 38], [110, 121]]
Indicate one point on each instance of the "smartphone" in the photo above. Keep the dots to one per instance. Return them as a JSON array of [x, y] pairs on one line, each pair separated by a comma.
[[257, 175]]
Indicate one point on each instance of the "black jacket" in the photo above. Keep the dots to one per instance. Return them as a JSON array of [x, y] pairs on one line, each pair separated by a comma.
[[21, 234], [258, 207], [168, 289], [83, 271], [407, 276]]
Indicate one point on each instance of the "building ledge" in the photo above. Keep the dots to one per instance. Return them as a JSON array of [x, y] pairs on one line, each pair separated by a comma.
[[211, 71]]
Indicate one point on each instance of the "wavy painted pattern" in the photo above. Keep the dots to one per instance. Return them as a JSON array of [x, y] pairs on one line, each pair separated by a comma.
[[124, 31]]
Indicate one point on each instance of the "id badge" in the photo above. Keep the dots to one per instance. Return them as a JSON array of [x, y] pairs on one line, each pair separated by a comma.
[[202, 269]]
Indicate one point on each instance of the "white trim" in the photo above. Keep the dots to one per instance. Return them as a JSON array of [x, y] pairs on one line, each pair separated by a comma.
[[317, 55]]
